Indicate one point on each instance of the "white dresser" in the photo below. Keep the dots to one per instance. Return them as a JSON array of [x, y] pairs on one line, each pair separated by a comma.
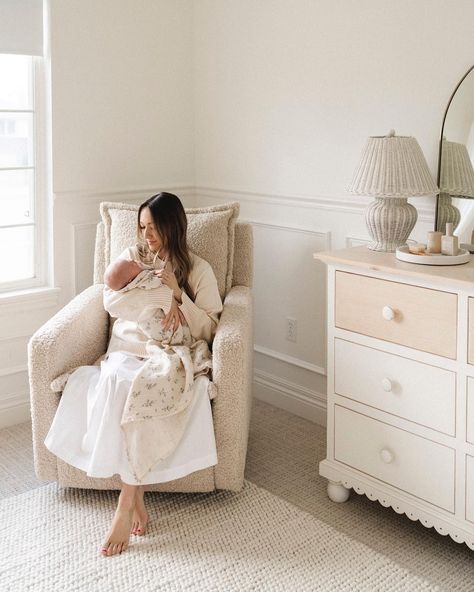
[[400, 410]]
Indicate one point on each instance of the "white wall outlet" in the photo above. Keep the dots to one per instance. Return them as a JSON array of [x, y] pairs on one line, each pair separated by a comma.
[[291, 329]]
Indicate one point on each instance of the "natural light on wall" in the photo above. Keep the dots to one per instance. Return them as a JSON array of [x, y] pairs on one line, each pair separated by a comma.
[[21, 41]]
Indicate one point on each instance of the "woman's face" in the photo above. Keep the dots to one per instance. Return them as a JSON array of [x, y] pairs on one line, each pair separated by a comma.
[[149, 232]]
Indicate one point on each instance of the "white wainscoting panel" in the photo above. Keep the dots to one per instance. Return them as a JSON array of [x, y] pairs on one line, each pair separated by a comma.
[[12, 354], [21, 319], [352, 241], [14, 399], [20, 316], [83, 255], [287, 285]]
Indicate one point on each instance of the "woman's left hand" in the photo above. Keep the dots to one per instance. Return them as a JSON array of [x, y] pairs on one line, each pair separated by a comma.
[[174, 318], [169, 279]]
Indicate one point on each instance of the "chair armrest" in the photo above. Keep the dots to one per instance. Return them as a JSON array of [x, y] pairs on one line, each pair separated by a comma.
[[232, 375], [75, 336]]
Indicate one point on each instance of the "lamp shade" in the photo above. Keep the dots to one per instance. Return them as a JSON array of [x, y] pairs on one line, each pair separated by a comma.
[[457, 174], [392, 166]]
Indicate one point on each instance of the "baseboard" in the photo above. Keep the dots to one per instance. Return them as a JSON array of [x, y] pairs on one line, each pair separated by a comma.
[[289, 396], [14, 409]]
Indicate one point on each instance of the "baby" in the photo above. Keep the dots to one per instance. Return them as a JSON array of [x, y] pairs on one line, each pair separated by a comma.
[[124, 275], [121, 273]]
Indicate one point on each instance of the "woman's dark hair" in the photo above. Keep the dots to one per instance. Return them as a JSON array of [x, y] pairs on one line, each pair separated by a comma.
[[171, 224]]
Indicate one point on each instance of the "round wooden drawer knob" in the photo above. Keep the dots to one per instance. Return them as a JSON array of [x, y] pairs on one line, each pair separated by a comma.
[[387, 384], [388, 313], [386, 455]]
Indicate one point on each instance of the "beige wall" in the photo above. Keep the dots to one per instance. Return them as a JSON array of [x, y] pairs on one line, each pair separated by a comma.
[[122, 115], [287, 92], [122, 88]]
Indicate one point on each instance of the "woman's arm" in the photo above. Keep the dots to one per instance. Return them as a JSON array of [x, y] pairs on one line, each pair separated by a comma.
[[202, 315], [129, 305]]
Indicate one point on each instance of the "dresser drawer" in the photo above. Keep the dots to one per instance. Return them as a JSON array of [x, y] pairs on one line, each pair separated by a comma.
[[470, 488], [412, 390], [470, 353], [416, 317], [411, 463]]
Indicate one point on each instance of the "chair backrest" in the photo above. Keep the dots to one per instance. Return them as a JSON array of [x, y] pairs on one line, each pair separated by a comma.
[[213, 233]]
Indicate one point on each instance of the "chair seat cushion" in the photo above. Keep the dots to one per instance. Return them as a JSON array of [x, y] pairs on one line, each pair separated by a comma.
[[210, 235]]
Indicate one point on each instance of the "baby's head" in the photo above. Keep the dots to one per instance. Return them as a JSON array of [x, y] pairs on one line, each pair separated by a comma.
[[121, 273]]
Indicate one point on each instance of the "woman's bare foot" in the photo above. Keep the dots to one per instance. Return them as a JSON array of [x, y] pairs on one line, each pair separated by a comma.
[[118, 536], [140, 515]]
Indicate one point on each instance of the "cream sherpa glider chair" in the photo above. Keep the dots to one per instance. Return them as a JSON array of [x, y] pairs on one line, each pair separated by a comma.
[[78, 334]]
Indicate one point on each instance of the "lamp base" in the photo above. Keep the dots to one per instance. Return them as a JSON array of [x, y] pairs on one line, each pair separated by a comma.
[[447, 212], [389, 222]]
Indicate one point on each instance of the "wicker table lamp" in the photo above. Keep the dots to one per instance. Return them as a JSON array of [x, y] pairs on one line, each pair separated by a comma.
[[392, 168]]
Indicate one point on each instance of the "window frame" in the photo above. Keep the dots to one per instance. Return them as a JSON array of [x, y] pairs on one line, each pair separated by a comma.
[[41, 159]]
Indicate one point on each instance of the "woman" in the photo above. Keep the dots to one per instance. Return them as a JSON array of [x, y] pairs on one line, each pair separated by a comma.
[[86, 431]]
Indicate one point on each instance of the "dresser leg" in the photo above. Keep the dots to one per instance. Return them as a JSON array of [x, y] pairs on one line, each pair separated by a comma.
[[337, 492]]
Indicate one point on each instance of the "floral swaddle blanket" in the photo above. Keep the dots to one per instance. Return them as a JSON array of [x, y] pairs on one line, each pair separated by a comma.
[[155, 413]]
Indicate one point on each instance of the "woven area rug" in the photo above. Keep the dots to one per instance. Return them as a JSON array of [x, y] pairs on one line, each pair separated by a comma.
[[251, 540]]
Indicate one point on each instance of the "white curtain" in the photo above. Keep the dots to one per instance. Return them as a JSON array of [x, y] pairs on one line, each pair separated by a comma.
[[21, 27]]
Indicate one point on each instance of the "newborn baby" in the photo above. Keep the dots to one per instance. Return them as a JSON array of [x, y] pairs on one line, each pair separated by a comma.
[[121, 273], [124, 275]]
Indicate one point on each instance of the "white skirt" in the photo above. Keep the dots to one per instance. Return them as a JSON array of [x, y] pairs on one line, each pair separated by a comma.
[[86, 430]]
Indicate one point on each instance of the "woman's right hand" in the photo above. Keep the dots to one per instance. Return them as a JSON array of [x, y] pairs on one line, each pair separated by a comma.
[[174, 318]]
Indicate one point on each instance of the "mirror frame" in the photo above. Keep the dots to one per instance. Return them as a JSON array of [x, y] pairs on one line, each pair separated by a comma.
[[438, 177]]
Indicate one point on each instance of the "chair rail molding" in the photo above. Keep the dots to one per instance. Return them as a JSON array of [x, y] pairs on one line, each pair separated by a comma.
[[320, 202], [336, 203], [134, 194]]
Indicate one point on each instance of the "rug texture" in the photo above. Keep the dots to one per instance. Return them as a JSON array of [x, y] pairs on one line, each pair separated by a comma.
[[251, 540]]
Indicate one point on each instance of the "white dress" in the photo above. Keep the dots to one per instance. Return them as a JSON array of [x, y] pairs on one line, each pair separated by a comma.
[[86, 430]]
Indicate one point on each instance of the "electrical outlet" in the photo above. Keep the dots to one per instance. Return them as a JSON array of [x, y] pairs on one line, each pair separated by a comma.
[[291, 329]]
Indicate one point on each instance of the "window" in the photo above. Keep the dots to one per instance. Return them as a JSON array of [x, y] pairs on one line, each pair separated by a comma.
[[21, 253]]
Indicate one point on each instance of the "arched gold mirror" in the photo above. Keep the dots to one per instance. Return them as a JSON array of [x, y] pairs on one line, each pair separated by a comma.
[[455, 202]]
